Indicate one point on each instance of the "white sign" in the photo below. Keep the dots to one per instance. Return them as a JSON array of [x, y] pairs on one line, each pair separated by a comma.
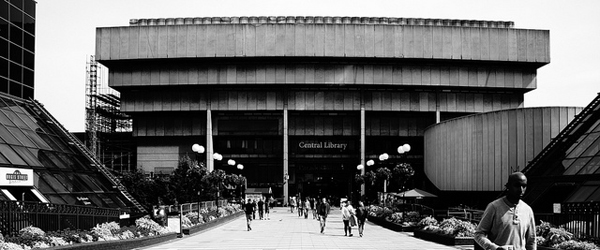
[[16, 177], [556, 208]]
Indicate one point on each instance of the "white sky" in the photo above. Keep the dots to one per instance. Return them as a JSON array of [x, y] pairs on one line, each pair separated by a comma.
[[65, 37]]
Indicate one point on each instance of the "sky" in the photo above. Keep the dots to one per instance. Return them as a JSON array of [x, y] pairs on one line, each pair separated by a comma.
[[66, 36]]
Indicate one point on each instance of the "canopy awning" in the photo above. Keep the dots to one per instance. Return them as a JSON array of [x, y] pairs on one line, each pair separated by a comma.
[[415, 193], [259, 190]]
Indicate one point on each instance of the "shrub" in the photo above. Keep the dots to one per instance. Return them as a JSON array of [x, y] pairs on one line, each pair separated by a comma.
[[457, 228], [29, 236], [428, 221], [576, 245], [10, 246], [558, 235], [150, 227], [106, 231]]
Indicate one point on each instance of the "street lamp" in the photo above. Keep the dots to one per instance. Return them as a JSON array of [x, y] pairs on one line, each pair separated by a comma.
[[230, 162], [198, 149]]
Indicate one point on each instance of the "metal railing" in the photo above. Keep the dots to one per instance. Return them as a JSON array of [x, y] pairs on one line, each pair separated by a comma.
[[193, 206], [15, 215], [577, 218]]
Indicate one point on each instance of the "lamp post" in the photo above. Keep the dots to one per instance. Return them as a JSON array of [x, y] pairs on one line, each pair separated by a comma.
[[198, 149], [241, 167]]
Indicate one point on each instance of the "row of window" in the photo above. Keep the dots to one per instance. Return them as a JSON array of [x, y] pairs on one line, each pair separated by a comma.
[[15, 89], [583, 157], [13, 53], [20, 13]]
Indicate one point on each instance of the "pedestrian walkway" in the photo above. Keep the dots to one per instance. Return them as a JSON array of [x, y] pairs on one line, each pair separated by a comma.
[[285, 230]]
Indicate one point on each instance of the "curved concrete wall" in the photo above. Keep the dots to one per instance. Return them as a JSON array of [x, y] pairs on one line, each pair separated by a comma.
[[478, 152]]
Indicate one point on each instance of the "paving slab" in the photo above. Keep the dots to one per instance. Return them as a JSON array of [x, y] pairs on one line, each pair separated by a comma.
[[285, 230]]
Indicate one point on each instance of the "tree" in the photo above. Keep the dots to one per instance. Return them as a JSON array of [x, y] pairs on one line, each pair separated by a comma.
[[401, 173]]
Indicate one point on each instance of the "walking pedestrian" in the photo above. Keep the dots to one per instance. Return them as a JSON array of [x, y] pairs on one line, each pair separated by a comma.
[[261, 204], [267, 208], [255, 208], [292, 204], [313, 208], [249, 209], [306, 207], [508, 222], [347, 213], [300, 207], [323, 211], [361, 217]]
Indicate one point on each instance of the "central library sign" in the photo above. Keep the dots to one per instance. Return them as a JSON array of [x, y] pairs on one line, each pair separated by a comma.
[[322, 146]]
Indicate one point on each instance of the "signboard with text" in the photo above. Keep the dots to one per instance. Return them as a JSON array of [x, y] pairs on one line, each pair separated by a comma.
[[16, 177]]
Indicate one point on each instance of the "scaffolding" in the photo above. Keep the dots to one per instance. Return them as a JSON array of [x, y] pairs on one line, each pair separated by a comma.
[[108, 130]]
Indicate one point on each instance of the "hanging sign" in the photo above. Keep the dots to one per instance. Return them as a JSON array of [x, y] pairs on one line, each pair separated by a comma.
[[16, 177]]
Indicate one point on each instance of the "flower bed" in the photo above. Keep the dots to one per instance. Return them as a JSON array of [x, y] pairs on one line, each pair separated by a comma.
[[111, 236], [551, 237], [397, 221], [449, 232]]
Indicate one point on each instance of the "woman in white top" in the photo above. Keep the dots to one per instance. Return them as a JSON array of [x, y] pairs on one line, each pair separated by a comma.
[[347, 213]]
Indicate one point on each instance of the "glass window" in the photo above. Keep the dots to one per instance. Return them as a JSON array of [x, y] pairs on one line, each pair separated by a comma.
[[27, 77], [27, 156], [91, 182], [3, 159], [62, 177], [14, 118], [28, 25], [3, 10], [4, 67], [595, 196], [16, 16], [3, 46], [16, 53], [14, 88], [593, 149], [56, 199], [583, 145], [97, 201], [36, 138], [29, 121], [15, 73], [4, 119], [27, 92], [19, 135], [17, 3], [54, 183], [78, 183], [576, 166], [42, 185], [28, 59], [12, 156], [591, 167], [7, 136], [70, 199], [3, 84], [581, 194], [48, 156], [15, 36], [29, 7]]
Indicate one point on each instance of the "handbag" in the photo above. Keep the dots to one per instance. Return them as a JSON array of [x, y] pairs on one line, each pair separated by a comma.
[[353, 220]]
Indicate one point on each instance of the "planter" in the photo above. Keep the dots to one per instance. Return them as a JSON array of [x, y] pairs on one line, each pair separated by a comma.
[[120, 244], [146, 241], [443, 239], [390, 225], [212, 223]]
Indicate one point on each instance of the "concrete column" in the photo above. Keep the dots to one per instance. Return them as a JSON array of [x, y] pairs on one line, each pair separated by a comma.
[[209, 142], [285, 156], [362, 144]]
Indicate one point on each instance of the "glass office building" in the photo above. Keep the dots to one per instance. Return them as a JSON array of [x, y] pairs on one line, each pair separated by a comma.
[[17, 47], [568, 169]]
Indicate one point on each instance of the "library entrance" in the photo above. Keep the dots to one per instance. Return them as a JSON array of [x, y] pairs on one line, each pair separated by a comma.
[[331, 178]]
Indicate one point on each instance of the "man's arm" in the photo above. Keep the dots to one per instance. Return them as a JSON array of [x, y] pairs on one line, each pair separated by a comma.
[[530, 234], [484, 227]]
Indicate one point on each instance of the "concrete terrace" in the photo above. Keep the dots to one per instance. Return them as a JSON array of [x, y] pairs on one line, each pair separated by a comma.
[[286, 230]]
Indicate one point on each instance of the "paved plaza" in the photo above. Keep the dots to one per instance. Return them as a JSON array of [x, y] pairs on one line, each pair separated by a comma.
[[286, 230]]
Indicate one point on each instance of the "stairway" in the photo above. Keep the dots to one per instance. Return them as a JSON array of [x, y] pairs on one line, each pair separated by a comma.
[[95, 162]]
